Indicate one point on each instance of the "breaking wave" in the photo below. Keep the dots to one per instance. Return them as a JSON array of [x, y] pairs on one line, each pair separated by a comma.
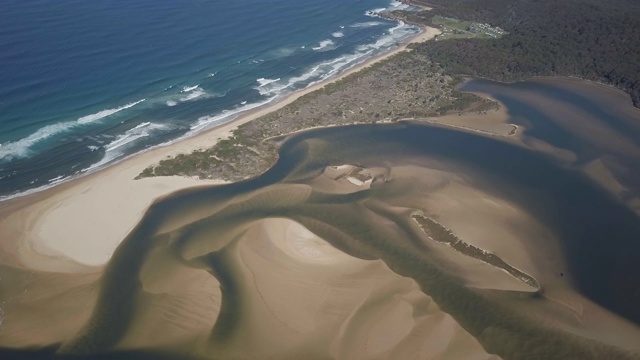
[[117, 147], [367, 24], [324, 45], [225, 116], [190, 93], [375, 12], [329, 68], [22, 147]]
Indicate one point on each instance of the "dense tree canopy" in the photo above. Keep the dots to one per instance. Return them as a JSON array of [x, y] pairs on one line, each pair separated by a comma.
[[595, 40]]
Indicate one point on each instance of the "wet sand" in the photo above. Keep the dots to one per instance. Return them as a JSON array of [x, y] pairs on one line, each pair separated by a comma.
[[306, 261], [37, 228], [328, 304], [491, 123]]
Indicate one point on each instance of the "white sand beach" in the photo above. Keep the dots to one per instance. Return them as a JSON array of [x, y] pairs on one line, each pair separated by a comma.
[[81, 222]]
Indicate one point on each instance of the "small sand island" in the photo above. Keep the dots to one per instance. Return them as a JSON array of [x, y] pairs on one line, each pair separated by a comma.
[[437, 232], [397, 211], [355, 175]]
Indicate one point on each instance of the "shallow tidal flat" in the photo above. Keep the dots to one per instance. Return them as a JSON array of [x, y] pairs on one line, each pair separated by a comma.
[[319, 257]]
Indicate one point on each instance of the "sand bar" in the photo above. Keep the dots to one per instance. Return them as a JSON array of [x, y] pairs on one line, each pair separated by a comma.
[[80, 222]]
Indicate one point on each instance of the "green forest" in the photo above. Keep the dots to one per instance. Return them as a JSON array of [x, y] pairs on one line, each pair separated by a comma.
[[591, 39]]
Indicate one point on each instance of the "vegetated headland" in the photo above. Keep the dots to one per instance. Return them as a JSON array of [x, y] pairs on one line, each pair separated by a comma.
[[502, 40], [408, 85]]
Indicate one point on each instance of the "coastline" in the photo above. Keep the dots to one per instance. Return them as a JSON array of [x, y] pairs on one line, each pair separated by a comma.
[[454, 229], [48, 230]]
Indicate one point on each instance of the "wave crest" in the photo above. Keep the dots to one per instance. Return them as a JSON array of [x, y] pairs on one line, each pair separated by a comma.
[[22, 147], [367, 24], [324, 45], [118, 146]]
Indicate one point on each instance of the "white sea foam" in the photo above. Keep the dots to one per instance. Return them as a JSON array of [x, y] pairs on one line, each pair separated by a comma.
[[113, 151], [337, 34], [144, 124], [193, 93], [367, 24], [189, 93], [55, 179], [315, 71], [22, 147], [273, 88], [26, 192], [116, 149], [324, 45], [397, 27], [315, 74], [394, 5], [187, 89], [225, 116], [118, 146], [104, 113], [393, 37], [131, 135], [375, 12], [329, 68], [397, 5], [265, 82], [267, 86]]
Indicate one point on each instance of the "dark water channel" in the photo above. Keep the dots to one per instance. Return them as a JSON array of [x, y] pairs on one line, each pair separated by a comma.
[[600, 237]]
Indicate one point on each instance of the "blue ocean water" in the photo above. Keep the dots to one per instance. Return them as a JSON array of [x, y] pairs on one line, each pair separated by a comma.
[[86, 83]]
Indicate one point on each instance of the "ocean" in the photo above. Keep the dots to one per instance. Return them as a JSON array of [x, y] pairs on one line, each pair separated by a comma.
[[84, 84]]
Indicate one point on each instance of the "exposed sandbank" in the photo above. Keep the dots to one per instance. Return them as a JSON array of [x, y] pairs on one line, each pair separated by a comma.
[[56, 229], [359, 301], [295, 285]]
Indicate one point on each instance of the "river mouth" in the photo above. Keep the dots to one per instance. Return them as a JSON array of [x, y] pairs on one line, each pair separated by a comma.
[[217, 266]]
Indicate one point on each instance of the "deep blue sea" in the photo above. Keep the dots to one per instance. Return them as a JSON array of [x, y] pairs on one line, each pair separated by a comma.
[[86, 83]]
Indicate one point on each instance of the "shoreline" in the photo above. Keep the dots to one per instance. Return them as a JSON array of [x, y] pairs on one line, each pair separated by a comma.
[[467, 77], [46, 230]]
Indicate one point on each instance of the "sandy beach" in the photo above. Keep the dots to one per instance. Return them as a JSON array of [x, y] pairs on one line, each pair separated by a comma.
[[50, 230], [389, 212]]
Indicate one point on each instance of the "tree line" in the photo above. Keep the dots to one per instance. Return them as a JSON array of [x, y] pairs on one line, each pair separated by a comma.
[[591, 39]]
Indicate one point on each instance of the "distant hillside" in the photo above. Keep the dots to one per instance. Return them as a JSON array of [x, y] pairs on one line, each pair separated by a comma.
[[592, 39]]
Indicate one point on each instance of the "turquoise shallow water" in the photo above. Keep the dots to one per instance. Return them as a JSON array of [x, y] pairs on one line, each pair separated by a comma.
[[83, 84]]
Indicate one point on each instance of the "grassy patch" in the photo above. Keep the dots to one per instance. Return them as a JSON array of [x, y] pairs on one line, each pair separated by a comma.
[[460, 29]]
